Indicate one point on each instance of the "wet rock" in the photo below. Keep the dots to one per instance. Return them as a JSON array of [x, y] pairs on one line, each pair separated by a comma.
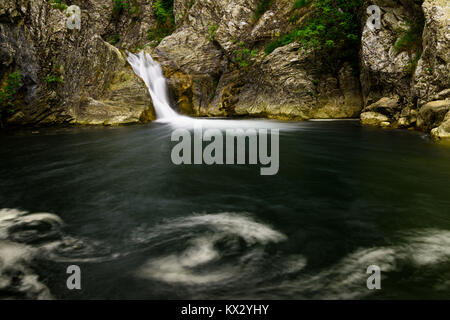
[[432, 76], [432, 114], [94, 84], [286, 85], [384, 71], [374, 119], [443, 131]]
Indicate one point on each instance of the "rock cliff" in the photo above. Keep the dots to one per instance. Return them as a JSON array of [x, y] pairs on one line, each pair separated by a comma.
[[233, 58], [405, 66]]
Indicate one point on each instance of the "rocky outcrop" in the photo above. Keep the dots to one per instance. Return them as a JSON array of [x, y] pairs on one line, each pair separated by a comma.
[[385, 69], [432, 114], [432, 76], [406, 78], [443, 131], [216, 64], [205, 68], [284, 86], [68, 76]]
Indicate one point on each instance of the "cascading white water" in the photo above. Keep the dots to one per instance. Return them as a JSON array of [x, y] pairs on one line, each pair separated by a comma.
[[150, 71]]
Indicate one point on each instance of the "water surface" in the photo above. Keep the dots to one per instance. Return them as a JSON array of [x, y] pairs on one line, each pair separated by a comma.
[[345, 197]]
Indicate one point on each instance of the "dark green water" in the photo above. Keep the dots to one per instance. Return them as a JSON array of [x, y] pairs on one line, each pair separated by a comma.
[[345, 197]]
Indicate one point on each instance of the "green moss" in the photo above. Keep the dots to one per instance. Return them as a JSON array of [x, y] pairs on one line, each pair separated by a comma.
[[284, 40], [212, 31], [412, 65], [333, 29], [119, 6], [54, 79], [298, 4], [165, 21], [115, 38], [243, 55], [129, 7], [58, 4], [411, 39], [263, 6], [8, 93]]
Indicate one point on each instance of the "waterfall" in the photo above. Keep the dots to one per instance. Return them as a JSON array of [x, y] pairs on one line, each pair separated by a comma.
[[150, 71]]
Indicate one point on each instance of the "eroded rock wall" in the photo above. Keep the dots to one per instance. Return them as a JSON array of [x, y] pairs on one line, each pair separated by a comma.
[[68, 76], [201, 61], [407, 87]]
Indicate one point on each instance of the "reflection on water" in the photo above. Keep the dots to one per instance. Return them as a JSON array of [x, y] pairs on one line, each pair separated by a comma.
[[345, 198]]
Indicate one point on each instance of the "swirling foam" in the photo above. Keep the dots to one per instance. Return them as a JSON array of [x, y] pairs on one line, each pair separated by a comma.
[[207, 232]]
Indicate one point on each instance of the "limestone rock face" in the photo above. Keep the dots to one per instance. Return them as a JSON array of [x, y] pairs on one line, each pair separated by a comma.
[[374, 119], [207, 78], [432, 114], [69, 76], [432, 76], [283, 85], [384, 71], [78, 76], [443, 131], [417, 80]]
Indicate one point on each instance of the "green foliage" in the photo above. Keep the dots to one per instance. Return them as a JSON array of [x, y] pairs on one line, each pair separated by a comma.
[[284, 40], [263, 6], [129, 7], [412, 64], [8, 93], [119, 6], [411, 42], [165, 21], [134, 10], [212, 31], [333, 29], [54, 79], [58, 4], [163, 10], [411, 39], [243, 55], [300, 4], [115, 38]]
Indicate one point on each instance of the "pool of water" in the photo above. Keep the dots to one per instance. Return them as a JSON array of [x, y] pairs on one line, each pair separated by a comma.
[[345, 197]]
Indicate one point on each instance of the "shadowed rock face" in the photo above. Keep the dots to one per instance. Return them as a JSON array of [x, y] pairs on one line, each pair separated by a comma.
[[96, 85], [409, 88], [285, 84], [201, 62]]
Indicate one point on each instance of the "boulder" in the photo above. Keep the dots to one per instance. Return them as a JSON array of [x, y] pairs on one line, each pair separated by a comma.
[[443, 131], [374, 119], [432, 114]]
